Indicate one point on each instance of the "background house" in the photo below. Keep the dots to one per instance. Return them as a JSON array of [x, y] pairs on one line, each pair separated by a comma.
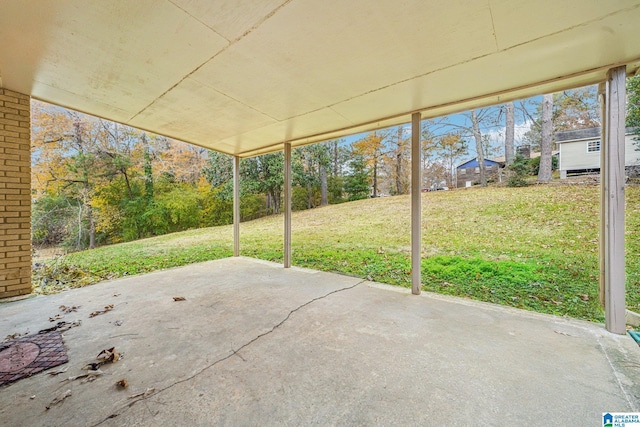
[[580, 151], [468, 173]]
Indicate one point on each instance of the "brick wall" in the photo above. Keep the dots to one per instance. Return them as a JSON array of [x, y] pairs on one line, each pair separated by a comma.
[[15, 194]]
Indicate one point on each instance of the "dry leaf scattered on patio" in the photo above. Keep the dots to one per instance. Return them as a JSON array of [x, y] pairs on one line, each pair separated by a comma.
[[106, 308], [123, 383], [146, 393], [105, 356], [59, 399], [179, 299], [109, 355], [15, 336], [59, 371], [54, 318], [88, 377], [61, 327], [118, 323], [68, 310]]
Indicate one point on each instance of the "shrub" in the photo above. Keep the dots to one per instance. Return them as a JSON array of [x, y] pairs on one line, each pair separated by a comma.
[[520, 168]]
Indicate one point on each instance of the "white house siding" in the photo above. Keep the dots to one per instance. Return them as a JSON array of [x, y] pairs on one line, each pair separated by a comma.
[[574, 155]]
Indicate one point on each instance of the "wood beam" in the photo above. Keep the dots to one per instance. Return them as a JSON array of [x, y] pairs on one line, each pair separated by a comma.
[[416, 206], [236, 206], [612, 182], [287, 205]]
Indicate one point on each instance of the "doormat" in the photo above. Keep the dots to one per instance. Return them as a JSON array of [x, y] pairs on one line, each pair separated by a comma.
[[23, 357]]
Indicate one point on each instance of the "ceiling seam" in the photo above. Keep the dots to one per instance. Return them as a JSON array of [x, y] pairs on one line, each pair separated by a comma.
[[582, 24], [254, 27], [199, 20], [449, 104], [262, 21], [493, 25], [479, 57]]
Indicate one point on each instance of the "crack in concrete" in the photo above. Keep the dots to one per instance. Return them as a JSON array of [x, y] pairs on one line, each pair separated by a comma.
[[230, 355]]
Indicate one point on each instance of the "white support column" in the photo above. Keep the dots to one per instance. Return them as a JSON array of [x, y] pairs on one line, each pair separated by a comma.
[[287, 205], [612, 181], [416, 206], [236, 206]]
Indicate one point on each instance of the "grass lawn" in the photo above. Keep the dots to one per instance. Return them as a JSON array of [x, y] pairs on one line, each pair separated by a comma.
[[535, 248]]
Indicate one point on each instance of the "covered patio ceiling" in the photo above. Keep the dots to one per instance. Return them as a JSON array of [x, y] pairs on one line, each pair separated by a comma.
[[244, 76]]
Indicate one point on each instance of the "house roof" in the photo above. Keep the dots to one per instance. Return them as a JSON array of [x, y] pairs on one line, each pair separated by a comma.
[[244, 76], [473, 163], [578, 134], [535, 154]]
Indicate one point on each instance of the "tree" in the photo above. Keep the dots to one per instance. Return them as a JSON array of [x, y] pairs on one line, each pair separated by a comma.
[[371, 149], [546, 142], [450, 147], [572, 109], [265, 174], [477, 136], [218, 171], [509, 134], [398, 160], [67, 162], [357, 182], [576, 109], [633, 105]]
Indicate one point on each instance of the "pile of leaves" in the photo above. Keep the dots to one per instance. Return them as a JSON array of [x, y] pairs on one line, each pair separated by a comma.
[[55, 276]]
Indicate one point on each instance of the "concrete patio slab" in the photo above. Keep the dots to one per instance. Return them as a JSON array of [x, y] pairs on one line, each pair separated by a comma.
[[256, 344]]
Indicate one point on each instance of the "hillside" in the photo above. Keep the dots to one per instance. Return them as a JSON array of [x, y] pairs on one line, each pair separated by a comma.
[[535, 248]]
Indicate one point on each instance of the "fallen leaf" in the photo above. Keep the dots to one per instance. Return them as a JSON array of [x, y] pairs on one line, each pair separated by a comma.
[[59, 399], [123, 383], [109, 355], [54, 318], [61, 327], [90, 376], [179, 299], [68, 310], [15, 336], [59, 371], [105, 356], [563, 333], [118, 323], [145, 393], [584, 297], [106, 309]]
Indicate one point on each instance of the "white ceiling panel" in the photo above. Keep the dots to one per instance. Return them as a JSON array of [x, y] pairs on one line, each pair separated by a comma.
[[243, 76], [230, 18], [199, 115]]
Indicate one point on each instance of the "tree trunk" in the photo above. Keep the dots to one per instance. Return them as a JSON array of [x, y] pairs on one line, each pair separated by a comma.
[[148, 170], [324, 197], [92, 227], [335, 158], [479, 148], [544, 174], [509, 134], [375, 177], [399, 162]]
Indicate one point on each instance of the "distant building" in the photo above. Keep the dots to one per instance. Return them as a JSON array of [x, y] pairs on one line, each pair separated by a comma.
[[580, 151], [468, 173]]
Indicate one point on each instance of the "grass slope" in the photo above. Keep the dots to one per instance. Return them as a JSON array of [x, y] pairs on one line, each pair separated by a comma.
[[535, 248]]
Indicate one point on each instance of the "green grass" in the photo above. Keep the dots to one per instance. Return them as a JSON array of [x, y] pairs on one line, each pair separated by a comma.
[[535, 248]]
